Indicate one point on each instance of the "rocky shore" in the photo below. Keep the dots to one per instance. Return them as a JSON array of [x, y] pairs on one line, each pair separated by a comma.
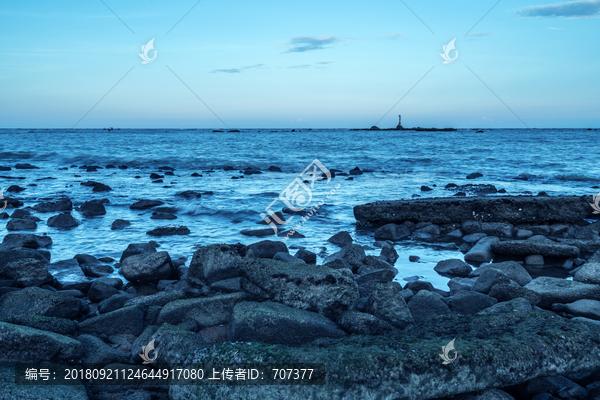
[[523, 306]]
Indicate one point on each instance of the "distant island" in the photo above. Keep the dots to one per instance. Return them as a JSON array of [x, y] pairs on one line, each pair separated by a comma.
[[399, 127]]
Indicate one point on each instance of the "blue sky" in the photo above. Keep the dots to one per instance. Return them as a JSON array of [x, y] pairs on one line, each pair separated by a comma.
[[303, 64]]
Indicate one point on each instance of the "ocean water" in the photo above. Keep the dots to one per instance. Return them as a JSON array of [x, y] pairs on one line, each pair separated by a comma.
[[396, 164]]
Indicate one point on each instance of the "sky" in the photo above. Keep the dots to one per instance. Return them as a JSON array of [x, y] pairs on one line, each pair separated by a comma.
[[311, 64]]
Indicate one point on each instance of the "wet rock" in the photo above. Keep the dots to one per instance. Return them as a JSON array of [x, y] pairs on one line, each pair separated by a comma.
[[15, 189], [414, 258], [309, 287], [341, 239], [3, 215], [523, 234], [338, 263], [511, 290], [389, 253], [417, 286], [558, 290], [189, 194], [457, 284], [482, 251], [217, 262], [137, 248], [488, 394], [101, 291], [61, 326], [128, 320], [145, 204], [119, 224], [25, 344], [95, 351], [364, 324], [474, 175], [268, 248], [286, 257], [307, 256], [560, 386], [36, 301], [173, 343], [25, 166], [534, 260], [28, 240], [203, 311], [526, 248], [488, 278], [387, 303], [63, 221], [425, 306], [101, 187], [474, 237], [426, 189], [469, 302], [512, 269], [148, 267], [92, 208], [274, 169], [169, 231], [21, 224], [352, 253], [392, 232], [231, 285], [27, 272], [113, 303], [355, 171], [518, 304], [21, 213], [270, 322], [156, 300], [453, 267], [163, 215], [369, 280], [581, 308], [69, 275], [92, 267], [588, 273]]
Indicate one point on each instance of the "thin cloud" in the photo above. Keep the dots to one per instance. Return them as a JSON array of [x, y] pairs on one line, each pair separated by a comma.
[[554, 29], [303, 66], [301, 44], [236, 70], [479, 34], [571, 9], [392, 36]]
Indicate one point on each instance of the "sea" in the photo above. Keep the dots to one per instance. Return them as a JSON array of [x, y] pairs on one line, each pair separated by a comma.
[[395, 165]]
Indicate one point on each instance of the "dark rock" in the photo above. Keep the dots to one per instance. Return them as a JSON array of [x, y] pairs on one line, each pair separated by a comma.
[[274, 169], [137, 248], [426, 189], [92, 267], [258, 232], [156, 300], [7, 256], [369, 280], [15, 189], [392, 232], [3, 168], [292, 234], [27, 272], [276, 323], [36, 301], [512, 269], [101, 187], [3, 215], [69, 275], [148, 267], [25, 344], [231, 285], [425, 306], [414, 258], [63, 221], [173, 343], [338, 263], [364, 324], [169, 231], [457, 284], [20, 224], [518, 304], [28, 240], [217, 262], [92, 208], [61, 326], [488, 278], [474, 237], [287, 257], [113, 303], [481, 252], [119, 224], [387, 303], [526, 248], [95, 351], [162, 215], [417, 286], [581, 308], [474, 175], [511, 290], [355, 171], [341, 239], [101, 291], [469, 302], [128, 320], [354, 254], [453, 267], [389, 253], [21, 213], [268, 248], [558, 290], [25, 166], [560, 386], [145, 204], [588, 273], [189, 194], [307, 256]]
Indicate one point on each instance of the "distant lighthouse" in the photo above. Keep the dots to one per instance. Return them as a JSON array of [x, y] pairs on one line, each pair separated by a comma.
[[399, 122]]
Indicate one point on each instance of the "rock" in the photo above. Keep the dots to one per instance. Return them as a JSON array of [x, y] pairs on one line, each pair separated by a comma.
[[113, 303], [453, 267], [534, 260], [500, 229], [352, 253], [258, 232], [474, 175], [341, 239], [588, 273], [21, 213], [581, 308], [425, 306], [19, 253], [25, 166], [92, 208], [63, 221], [307, 256], [189, 194], [558, 290], [101, 291], [274, 169], [61, 326], [469, 302], [28, 240], [488, 278], [119, 224], [218, 262], [172, 343], [156, 300], [512, 209], [25, 344], [415, 372], [95, 351], [15, 189], [364, 324], [414, 258], [368, 281], [389, 253], [474, 237], [387, 303], [169, 231], [137, 248], [27, 272], [148, 267], [268, 248], [417, 286], [128, 320], [392, 232], [36, 301], [560, 386], [20, 224], [338, 263], [482, 251], [276, 323], [92, 267], [355, 171], [309, 287], [145, 204], [518, 304], [231, 285], [526, 248], [511, 290], [163, 215], [457, 284], [287, 257], [523, 234], [512, 269], [203, 311], [69, 275]]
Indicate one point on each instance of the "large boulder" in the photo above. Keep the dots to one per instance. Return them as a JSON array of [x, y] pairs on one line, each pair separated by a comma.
[[425, 306], [271, 322], [453, 267], [55, 206], [21, 224], [482, 251], [407, 366], [27, 272], [37, 301], [101, 291], [308, 287], [92, 208], [341, 239], [159, 299], [69, 275], [148, 267], [387, 303], [354, 254], [515, 305], [512, 290], [20, 253], [364, 324], [581, 308], [527, 248], [64, 221], [93, 267], [268, 248], [512, 269], [392, 232], [467, 302], [145, 204], [28, 240], [25, 344], [137, 248], [61, 326], [557, 290], [95, 351], [488, 279], [128, 320], [172, 343], [217, 262], [588, 273]]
